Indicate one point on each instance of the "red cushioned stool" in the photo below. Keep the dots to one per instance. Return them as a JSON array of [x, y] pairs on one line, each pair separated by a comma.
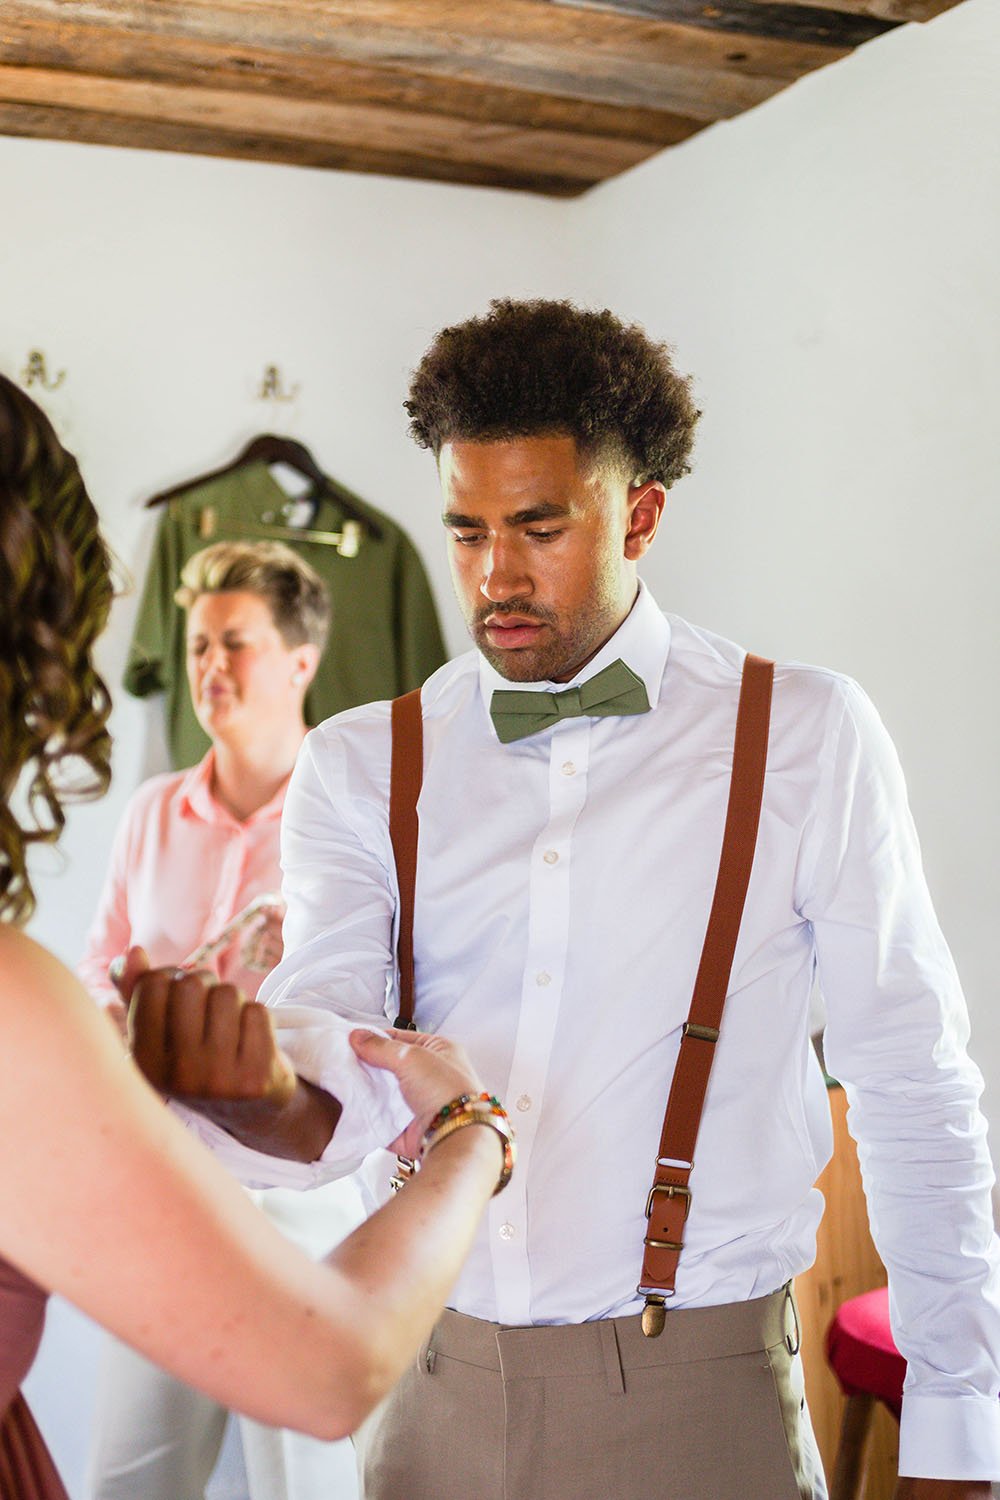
[[861, 1353]]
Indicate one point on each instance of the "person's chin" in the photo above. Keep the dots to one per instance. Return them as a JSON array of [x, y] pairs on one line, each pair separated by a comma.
[[213, 714], [517, 665]]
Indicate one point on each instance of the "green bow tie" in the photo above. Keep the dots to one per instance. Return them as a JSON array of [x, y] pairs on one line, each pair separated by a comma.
[[615, 690]]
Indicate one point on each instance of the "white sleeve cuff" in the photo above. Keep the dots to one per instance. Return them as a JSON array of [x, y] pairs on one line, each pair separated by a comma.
[[943, 1437], [373, 1110]]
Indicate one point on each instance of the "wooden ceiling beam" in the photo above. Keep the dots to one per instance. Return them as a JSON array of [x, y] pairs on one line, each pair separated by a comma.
[[157, 59], [781, 19], [546, 96], [525, 44], [884, 10], [99, 129], [850, 22], [499, 148]]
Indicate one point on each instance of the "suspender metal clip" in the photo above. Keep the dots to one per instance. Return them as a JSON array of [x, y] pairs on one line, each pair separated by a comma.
[[405, 1169], [654, 1315]]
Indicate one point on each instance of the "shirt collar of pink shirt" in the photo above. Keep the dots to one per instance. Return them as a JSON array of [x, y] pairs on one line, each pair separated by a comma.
[[198, 801]]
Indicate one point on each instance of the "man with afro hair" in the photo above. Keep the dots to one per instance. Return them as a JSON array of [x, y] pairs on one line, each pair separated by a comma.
[[636, 844]]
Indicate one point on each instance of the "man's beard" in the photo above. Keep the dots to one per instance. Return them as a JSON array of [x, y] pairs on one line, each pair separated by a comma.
[[557, 654]]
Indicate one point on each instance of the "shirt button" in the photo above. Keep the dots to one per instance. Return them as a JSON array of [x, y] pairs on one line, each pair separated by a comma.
[[506, 1231], [551, 857], [524, 1103], [568, 768], [542, 979]]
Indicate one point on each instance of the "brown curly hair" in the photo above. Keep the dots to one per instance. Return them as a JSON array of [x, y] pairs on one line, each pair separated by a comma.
[[526, 369], [55, 593]]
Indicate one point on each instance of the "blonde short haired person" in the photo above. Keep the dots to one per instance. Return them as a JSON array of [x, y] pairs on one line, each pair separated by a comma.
[[106, 1198], [194, 849]]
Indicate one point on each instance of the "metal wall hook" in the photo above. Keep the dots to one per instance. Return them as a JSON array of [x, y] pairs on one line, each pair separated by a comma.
[[271, 386], [36, 372]]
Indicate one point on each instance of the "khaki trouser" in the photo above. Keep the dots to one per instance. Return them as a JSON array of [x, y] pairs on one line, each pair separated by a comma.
[[713, 1409]]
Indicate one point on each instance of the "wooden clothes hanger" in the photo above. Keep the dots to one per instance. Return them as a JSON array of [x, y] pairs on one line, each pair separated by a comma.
[[272, 449]]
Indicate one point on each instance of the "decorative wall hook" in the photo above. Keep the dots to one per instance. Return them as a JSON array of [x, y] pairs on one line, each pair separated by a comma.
[[36, 372], [272, 388]]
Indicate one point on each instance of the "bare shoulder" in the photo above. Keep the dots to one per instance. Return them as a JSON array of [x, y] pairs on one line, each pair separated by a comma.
[[41, 1001], [23, 962]]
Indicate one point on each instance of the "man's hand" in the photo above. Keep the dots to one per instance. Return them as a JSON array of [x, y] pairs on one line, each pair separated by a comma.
[[942, 1489], [200, 1040], [204, 1043]]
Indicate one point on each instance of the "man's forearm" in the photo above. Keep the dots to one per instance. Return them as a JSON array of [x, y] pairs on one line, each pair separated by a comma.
[[298, 1130]]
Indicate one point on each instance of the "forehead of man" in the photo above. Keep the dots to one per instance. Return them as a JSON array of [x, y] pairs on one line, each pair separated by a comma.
[[539, 469]]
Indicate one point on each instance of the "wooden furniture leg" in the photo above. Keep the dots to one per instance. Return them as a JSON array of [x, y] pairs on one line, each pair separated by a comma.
[[847, 1468]]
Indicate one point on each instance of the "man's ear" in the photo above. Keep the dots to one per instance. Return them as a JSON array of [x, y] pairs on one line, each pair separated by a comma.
[[645, 507]]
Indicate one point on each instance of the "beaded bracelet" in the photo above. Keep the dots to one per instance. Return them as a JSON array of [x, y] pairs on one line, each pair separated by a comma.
[[464, 1103], [473, 1109], [467, 1109]]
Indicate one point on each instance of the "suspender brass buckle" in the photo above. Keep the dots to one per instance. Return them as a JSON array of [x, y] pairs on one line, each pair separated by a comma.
[[672, 1190]]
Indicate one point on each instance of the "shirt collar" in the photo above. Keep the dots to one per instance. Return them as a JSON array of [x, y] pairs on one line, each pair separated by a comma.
[[642, 642], [197, 799]]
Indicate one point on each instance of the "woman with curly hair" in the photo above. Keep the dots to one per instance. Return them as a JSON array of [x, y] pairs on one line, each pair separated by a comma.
[[107, 1200]]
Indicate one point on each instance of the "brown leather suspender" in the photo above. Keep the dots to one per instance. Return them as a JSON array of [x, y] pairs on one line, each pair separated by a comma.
[[405, 780], [669, 1198]]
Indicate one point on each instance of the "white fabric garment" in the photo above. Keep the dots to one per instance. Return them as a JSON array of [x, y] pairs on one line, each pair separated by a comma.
[[563, 888]]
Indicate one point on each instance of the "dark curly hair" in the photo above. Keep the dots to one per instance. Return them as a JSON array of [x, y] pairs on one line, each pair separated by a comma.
[[55, 592], [538, 367]]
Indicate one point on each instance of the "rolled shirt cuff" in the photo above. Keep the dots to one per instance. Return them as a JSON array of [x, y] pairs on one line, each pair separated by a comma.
[[373, 1110], [949, 1437]]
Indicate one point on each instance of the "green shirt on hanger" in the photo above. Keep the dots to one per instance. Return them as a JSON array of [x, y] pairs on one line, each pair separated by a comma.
[[385, 637]]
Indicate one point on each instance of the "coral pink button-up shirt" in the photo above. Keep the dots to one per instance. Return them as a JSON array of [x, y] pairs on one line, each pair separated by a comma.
[[181, 867]]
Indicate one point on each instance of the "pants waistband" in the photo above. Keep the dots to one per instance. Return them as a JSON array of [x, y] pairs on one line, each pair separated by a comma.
[[691, 1333]]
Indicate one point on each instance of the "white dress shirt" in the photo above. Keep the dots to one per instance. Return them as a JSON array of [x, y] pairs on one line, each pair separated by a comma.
[[563, 887]]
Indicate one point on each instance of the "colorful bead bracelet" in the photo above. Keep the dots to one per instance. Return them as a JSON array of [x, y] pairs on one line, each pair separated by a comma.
[[474, 1109]]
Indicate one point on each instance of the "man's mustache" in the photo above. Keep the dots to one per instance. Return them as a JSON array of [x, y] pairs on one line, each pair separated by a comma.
[[513, 607]]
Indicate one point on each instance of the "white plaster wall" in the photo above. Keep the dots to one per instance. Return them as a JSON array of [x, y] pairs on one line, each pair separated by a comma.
[[825, 265], [164, 285]]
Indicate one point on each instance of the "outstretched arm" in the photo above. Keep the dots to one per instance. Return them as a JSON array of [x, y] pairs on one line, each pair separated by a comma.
[[109, 1202]]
